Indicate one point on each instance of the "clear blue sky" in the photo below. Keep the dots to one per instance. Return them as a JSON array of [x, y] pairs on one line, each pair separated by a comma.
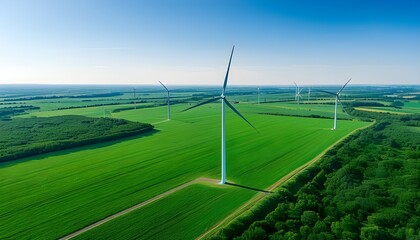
[[188, 41]]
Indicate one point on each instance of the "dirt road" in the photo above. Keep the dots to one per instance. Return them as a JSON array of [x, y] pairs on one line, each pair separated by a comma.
[[137, 206]]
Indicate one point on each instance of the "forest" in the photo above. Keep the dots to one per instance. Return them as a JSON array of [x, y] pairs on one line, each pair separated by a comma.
[[367, 187], [7, 112], [32, 136]]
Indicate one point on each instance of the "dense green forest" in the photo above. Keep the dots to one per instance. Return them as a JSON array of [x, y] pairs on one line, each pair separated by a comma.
[[8, 112], [23, 137], [367, 187]]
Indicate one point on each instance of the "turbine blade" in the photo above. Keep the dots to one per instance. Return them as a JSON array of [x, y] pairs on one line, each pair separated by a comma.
[[343, 86], [202, 103], [163, 85], [300, 90], [238, 113], [342, 105], [295, 83], [227, 72], [326, 92]]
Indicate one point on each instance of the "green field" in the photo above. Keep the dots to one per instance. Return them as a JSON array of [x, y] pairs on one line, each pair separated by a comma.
[[158, 115], [291, 108], [147, 223], [410, 107], [51, 195], [33, 136], [99, 111]]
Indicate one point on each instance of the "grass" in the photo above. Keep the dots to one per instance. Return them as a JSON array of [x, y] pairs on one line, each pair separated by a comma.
[[32, 136], [124, 99], [51, 195], [177, 215], [410, 107], [291, 108], [381, 110], [99, 111]]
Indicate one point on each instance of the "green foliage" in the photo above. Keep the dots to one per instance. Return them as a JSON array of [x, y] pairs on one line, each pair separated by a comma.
[[309, 218], [31, 136], [397, 104], [8, 112], [366, 188]]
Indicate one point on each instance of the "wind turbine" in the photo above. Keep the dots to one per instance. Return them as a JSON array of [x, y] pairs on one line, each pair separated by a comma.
[[224, 102], [258, 95], [309, 94], [297, 94], [337, 99], [169, 102], [134, 95]]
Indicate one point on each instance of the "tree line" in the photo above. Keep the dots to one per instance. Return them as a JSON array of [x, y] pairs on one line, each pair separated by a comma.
[[25, 137]]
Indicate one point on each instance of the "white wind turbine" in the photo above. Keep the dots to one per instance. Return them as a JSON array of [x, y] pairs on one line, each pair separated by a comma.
[[224, 102], [297, 94], [309, 94], [337, 99], [134, 96], [258, 95], [169, 102]]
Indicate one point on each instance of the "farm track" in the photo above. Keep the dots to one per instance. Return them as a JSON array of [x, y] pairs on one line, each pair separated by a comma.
[[137, 206], [260, 196]]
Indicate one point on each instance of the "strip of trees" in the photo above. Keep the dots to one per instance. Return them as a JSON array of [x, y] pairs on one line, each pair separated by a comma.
[[24, 137], [7, 112]]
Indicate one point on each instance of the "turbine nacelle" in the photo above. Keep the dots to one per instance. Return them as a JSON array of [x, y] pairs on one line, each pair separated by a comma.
[[337, 100]]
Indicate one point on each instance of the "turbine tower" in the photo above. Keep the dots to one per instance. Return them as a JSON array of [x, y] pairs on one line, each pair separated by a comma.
[[225, 102], [258, 95], [134, 95], [337, 99], [169, 102], [309, 94]]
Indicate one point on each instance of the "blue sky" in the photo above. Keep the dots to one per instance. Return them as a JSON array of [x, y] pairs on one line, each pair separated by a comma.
[[188, 42]]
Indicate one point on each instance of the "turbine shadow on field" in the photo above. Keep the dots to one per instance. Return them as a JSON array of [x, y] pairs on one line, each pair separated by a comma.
[[76, 149], [247, 187]]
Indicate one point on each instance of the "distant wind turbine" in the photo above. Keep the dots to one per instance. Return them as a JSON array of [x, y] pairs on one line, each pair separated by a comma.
[[169, 102], [224, 102], [134, 95], [297, 94], [337, 99], [258, 95], [309, 94]]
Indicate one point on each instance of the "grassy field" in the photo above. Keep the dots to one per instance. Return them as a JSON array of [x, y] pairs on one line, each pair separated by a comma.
[[100, 111], [51, 195], [33, 136], [292, 108], [177, 217], [410, 107]]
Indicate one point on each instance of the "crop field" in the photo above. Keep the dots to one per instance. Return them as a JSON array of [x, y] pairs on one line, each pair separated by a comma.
[[148, 223], [51, 195], [410, 107], [99, 111], [324, 110], [303, 109]]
